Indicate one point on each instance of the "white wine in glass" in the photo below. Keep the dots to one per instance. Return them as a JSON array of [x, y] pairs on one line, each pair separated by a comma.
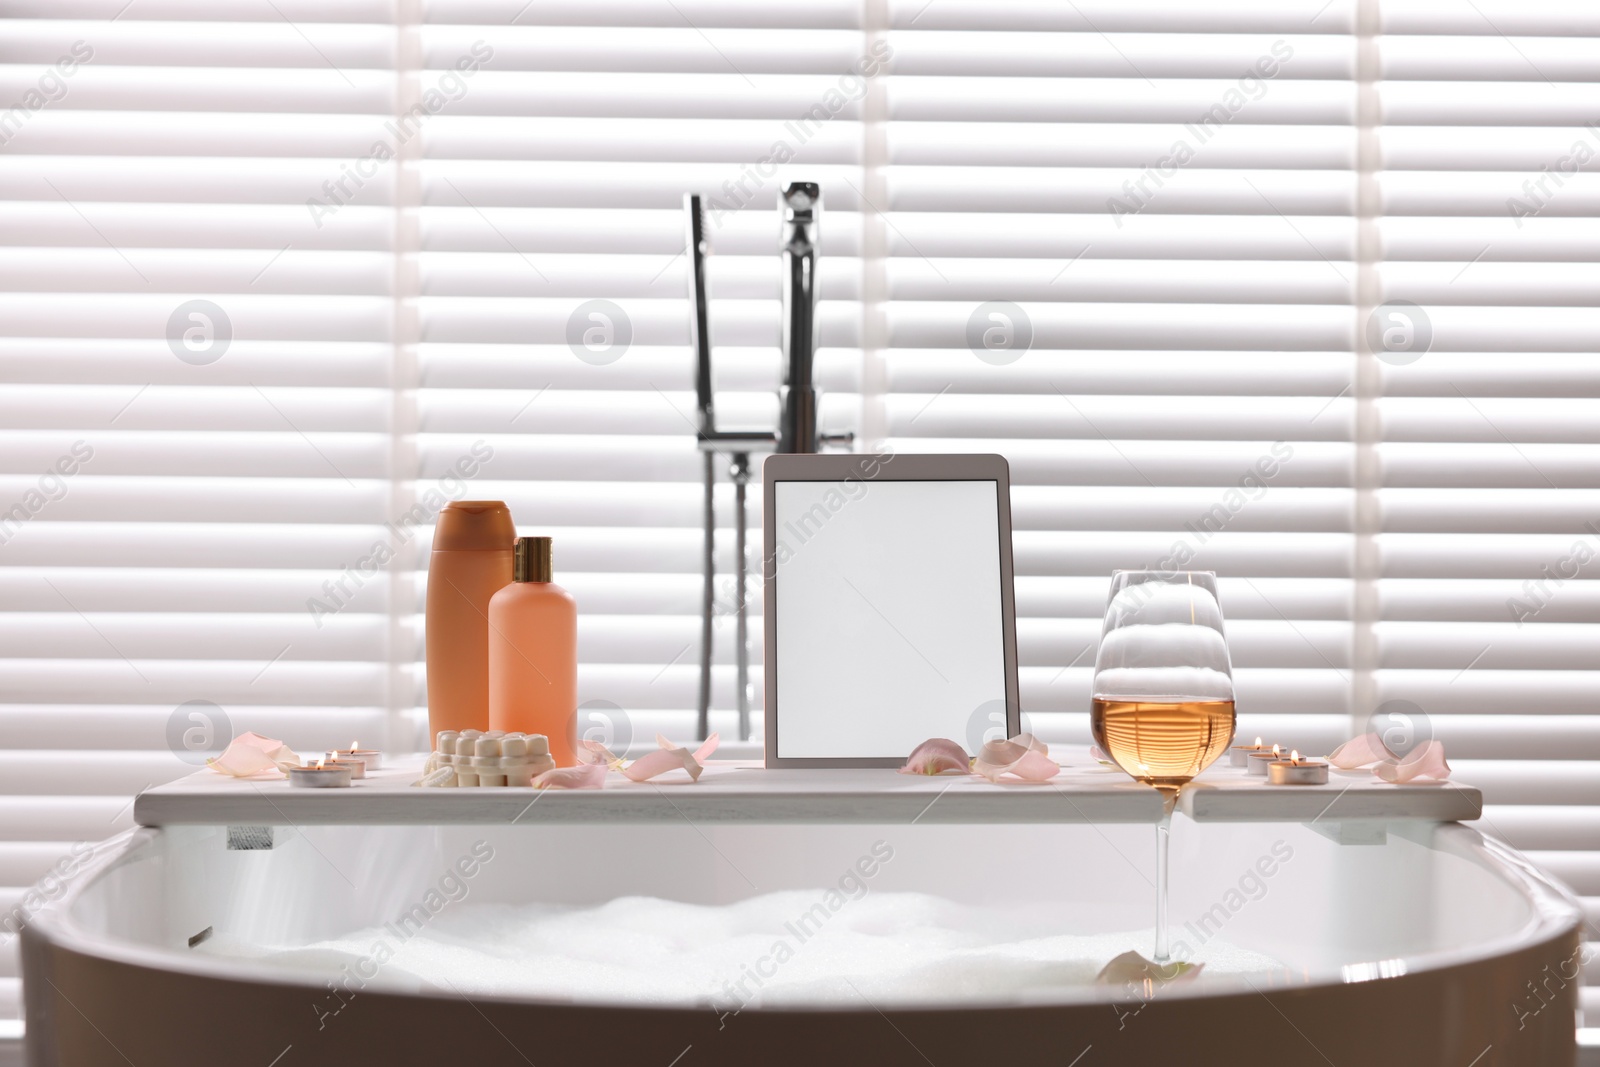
[[1162, 740], [1162, 703]]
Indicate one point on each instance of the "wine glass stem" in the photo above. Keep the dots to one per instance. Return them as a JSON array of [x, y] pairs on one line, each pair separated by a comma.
[[1163, 838]]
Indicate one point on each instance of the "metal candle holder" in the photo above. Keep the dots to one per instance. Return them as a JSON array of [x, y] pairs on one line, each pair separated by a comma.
[[1297, 772], [319, 777]]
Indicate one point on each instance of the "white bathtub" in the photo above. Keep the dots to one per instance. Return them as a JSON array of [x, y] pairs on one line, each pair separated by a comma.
[[1429, 945]]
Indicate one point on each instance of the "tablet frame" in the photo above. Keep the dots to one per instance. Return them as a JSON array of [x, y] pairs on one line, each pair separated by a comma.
[[871, 467]]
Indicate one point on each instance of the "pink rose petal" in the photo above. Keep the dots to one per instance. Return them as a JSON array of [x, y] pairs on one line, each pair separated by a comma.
[[1033, 743], [935, 756], [659, 762], [583, 776], [1098, 753], [242, 762], [1424, 761], [1024, 756], [1035, 767], [1359, 752], [250, 754], [1011, 750], [666, 757], [1132, 969], [594, 752]]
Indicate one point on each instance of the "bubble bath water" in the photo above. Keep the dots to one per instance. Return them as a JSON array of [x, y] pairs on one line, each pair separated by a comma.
[[785, 948]]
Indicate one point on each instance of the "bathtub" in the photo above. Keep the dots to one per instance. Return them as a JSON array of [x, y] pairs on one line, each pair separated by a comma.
[[1400, 942]]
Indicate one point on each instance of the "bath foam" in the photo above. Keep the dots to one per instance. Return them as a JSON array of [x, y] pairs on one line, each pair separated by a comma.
[[776, 949]]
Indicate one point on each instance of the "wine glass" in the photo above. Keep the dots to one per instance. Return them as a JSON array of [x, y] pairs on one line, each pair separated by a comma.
[[1162, 704]]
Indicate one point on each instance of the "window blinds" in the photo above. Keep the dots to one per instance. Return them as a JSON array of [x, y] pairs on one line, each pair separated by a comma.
[[206, 371], [1482, 451], [281, 278]]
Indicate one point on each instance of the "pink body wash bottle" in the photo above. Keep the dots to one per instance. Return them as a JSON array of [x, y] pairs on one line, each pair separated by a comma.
[[533, 653]]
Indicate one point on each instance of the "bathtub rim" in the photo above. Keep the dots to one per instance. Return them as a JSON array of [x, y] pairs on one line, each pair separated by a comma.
[[1555, 913]]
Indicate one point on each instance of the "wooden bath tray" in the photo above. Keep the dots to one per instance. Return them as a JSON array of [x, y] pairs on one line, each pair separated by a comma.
[[743, 791]]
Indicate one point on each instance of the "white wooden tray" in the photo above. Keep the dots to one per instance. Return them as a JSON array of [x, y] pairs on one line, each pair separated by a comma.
[[1230, 794], [743, 791]]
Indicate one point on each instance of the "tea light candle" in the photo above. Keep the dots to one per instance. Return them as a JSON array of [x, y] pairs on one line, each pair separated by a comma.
[[1297, 771], [357, 768], [370, 756], [319, 777], [1258, 761], [1239, 755]]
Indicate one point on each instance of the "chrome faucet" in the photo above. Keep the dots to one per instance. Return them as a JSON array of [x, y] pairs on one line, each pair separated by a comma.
[[711, 439], [800, 207]]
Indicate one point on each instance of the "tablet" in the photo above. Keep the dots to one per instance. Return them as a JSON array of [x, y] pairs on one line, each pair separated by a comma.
[[888, 613]]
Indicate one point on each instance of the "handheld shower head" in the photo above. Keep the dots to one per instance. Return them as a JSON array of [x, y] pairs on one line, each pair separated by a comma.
[[801, 211]]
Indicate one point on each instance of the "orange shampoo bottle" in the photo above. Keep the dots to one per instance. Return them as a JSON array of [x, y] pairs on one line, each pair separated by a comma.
[[471, 561]]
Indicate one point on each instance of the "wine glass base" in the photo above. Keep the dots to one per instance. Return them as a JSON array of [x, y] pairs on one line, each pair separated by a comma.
[[1166, 785]]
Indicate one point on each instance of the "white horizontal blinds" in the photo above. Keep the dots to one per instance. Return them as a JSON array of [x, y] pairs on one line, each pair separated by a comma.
[[1188, 284], [402, 224], [1489, 440], [177, 479], [553, 180]]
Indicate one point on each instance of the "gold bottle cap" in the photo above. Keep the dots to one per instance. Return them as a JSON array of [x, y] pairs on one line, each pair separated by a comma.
[[530, 560]]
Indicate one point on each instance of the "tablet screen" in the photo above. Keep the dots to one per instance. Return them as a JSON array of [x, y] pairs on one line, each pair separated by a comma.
[[889, 614]]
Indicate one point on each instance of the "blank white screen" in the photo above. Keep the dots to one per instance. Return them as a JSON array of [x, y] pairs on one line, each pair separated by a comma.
[[888, 614]]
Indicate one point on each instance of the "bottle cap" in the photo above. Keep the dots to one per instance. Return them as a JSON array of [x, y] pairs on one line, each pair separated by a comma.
[[474, 525], [530, 560]]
